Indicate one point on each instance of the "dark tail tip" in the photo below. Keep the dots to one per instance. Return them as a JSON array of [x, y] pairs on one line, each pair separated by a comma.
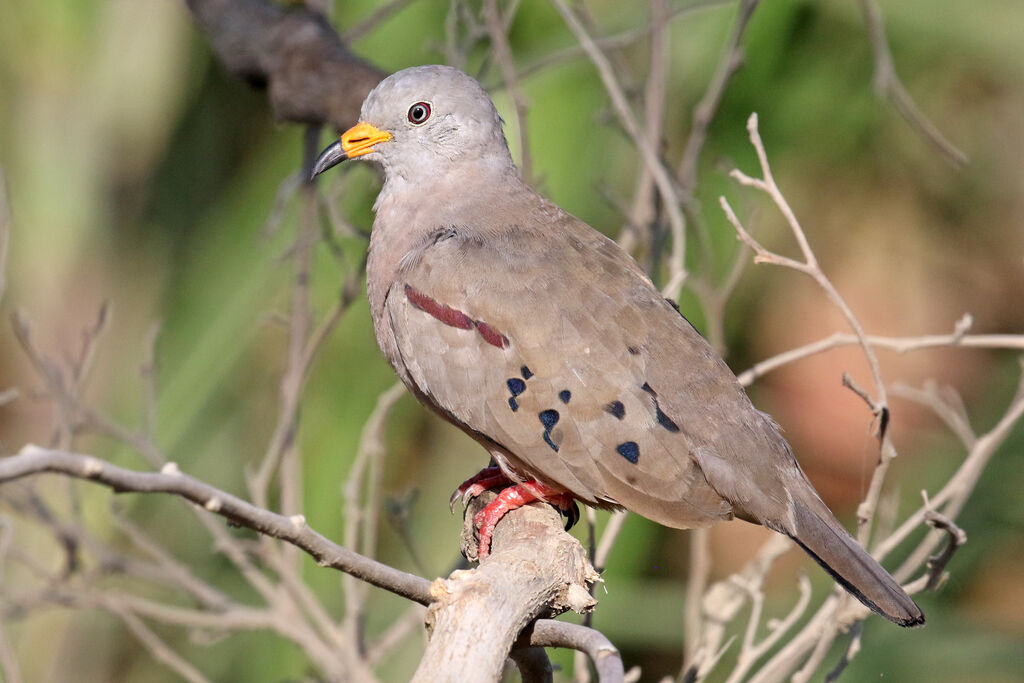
[[853, 568], [908, 615]]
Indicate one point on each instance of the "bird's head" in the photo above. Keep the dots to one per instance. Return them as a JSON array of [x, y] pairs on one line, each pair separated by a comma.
[[422, 120]]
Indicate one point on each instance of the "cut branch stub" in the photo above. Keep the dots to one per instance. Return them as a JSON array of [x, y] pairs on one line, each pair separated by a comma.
[[535, 569]]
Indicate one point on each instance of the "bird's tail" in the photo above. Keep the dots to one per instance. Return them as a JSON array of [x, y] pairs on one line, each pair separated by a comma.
[[821, 535]]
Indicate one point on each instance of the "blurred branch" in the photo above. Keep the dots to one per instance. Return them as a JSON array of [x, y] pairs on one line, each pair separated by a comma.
[[808, 648], [616, 41], [889, 87], [310, 75], [361, 516], [497, 27], [157, 647], [648, 152], [704, 112], [371, 22], [897, 344], [33, 460], [5, 232]]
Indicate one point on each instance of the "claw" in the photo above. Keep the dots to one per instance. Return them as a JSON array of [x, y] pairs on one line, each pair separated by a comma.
[[572, 515], [487, 478]]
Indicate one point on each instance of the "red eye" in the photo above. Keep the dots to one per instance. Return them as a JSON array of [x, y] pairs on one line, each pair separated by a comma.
[[419, 112]]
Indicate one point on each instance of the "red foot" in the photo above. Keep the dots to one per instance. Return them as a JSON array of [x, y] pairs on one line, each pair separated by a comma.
[[513, 497], [485, 479]]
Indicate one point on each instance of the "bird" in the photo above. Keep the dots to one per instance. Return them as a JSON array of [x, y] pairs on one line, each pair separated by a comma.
[[544, 341]]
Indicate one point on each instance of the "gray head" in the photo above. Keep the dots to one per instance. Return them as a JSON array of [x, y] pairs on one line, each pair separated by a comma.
[[423, 121]]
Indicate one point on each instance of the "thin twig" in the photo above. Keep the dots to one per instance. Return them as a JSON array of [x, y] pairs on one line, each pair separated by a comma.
[[665, 184], [367, 25], [157, 647], [497, 27], [5, 232], [937, 563], [704, 112], [361, 516], [888, 86], [34, 460]]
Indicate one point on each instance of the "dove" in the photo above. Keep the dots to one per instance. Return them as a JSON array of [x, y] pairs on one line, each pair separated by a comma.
[[545, 342]]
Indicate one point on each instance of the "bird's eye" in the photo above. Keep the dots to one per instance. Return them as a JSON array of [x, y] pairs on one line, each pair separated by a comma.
[[419, 113]]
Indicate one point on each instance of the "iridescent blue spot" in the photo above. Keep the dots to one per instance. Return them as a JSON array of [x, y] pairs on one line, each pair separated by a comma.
[[617, 409], [516, 386], [513, 404], [525, 372], [564, 395], [548, 441], [548, 418], [629, 450]]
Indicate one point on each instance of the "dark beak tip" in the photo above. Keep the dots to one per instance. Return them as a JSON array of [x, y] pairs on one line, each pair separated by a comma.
[[329, 158]]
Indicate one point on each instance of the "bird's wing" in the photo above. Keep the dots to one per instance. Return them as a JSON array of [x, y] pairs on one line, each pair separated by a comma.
[[541, 343]]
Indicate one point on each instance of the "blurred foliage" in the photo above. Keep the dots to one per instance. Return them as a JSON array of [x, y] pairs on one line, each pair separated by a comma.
[[139, 173]]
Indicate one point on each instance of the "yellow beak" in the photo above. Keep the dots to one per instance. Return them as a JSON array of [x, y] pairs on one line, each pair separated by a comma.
[[360, 139], [354, 142]]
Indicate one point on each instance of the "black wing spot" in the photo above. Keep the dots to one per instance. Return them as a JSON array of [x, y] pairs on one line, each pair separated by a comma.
[[525, 372], [516, 385], [548, 441], [629, 450], [617, 409], [633, 351], [664, 420], [548, 418], [564, 395], [513, 404]]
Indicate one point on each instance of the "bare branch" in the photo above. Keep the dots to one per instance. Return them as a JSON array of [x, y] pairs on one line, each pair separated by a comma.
[[937, 563], [497, 27], [670, 199], [5, 232], [534, 568], [34, 460], [604, 655], [286, 49], [888, 86], [704, 112], [158, 648], [379, 15]]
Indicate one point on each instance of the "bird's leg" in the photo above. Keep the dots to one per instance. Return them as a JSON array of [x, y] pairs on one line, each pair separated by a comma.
[[516, 496], [487, 478]]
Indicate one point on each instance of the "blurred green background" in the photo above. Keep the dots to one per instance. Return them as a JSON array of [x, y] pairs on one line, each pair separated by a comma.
[[142, 174]]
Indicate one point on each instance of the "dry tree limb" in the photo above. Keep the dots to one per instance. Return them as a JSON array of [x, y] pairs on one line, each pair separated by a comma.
[[310, 76], [35, 460], [535, 569]]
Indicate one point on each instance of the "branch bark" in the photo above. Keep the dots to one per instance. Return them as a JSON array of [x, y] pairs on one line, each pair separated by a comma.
[[310, 75], [535, 569]]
